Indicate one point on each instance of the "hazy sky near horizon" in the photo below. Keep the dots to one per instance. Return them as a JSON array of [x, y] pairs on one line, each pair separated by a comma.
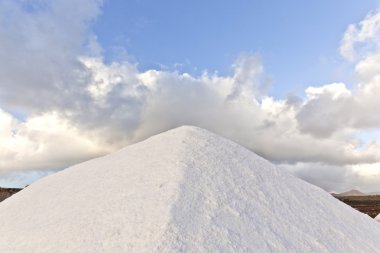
[[297, 82]]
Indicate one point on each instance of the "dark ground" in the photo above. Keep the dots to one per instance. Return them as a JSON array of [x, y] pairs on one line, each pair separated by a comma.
[[7, 192], [369, 205], [366, 204]]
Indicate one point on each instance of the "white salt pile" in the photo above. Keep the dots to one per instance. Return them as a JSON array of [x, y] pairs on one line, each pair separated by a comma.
[[185, 190], [377, 218]]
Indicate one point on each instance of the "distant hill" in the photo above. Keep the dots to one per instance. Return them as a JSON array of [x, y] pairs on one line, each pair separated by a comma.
[[350, 193]]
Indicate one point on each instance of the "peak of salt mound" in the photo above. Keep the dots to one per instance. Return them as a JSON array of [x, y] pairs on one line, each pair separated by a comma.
[[185, 190]]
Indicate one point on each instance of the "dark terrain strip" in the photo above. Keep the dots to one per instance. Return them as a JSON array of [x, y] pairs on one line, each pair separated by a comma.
[[369, 205], [7, 192]]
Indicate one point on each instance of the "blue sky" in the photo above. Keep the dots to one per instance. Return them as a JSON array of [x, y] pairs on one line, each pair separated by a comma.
[[297, 40], [82, 79]]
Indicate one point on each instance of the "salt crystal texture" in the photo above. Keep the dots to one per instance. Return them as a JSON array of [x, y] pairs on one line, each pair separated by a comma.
[[185, 190]]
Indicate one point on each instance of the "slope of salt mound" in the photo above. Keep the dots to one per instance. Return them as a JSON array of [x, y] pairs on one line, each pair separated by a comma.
[[185, 190], [377, 218]]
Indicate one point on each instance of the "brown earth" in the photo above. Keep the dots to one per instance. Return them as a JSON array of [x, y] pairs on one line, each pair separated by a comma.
[[7, 192], [366, 204]]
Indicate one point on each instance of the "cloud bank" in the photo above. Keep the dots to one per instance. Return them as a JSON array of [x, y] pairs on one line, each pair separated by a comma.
[[61, 103]]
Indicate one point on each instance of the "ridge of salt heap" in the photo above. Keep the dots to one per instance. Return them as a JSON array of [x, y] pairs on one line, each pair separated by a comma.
[[185, 190]]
